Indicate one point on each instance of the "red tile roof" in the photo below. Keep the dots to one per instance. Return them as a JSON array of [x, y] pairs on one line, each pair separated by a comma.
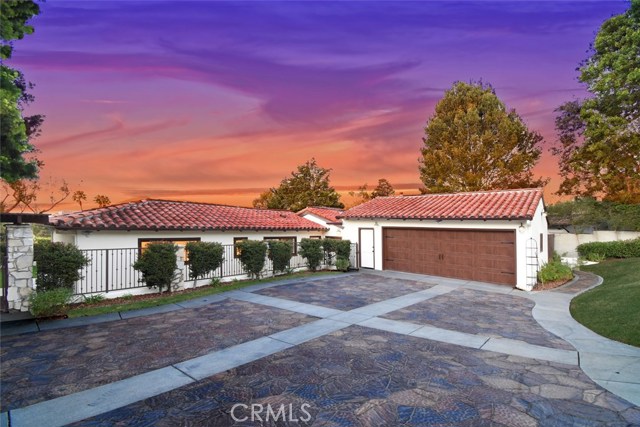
[[482, 205], [173, 215], [330, 214]]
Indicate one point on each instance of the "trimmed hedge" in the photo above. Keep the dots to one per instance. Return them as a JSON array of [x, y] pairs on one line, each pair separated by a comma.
[[595, 251], [58, 264], [204, 257], [252, 255], [158, 264], [312, 250], [280, 254]]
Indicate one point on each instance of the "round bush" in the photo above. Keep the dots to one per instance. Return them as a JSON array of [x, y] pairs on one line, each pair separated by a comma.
[[252, 256], [311, 249], [158, 263], [58, 265], [204, 257], [280, 254]]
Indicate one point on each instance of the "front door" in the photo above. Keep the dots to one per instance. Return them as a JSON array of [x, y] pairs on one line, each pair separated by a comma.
[[367, 248]]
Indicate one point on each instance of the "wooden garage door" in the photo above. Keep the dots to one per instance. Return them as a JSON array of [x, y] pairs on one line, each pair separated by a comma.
[[486, 256]]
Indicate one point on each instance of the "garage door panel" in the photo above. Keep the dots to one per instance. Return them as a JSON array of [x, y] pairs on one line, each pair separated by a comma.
[[487, 256]]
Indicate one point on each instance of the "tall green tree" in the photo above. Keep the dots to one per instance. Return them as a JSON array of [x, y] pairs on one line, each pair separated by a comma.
[[599, 137], [16, 130], [473, 142], [308, 186], [384, 188]]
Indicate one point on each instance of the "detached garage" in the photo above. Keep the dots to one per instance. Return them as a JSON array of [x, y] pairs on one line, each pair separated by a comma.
[[491, 236]]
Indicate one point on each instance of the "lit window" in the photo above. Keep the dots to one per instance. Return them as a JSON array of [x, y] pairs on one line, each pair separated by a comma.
[[179, 242], [236, 249]]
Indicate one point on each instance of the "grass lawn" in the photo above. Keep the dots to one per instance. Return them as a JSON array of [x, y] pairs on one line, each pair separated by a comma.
[[178, 297], [613, 308]]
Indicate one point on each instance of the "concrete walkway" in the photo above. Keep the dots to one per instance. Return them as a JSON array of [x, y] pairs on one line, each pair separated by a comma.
[[614, 366]]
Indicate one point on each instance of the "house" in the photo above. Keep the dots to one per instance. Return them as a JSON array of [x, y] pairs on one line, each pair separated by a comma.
[[326, 217], [113, 237], [136, 224], [489, 236]]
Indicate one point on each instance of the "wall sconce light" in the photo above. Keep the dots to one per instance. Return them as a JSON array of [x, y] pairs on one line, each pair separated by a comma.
[[521, 228], [87, 233]]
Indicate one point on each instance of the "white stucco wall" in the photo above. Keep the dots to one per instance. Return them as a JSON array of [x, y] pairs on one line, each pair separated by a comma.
[[333, 230], [108, 239], [530, 230], [566, 243]]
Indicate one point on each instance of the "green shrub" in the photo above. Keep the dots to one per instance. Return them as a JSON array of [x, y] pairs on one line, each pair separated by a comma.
[[49, 303], [343, 249], [342, 264], [204, 257], [215, 282], [554, 271], [58, 264], [618, 249], [329, 247], [312, 250], [158, 265], [280, 254], [252, 256]]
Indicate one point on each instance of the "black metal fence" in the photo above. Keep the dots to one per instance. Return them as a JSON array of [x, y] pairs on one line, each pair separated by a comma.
[[112, 269]]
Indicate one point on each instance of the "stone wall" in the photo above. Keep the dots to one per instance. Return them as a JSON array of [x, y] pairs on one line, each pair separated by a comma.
[[20, 264]]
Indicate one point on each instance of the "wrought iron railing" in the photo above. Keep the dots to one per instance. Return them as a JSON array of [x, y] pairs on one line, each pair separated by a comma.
[[112, 269]]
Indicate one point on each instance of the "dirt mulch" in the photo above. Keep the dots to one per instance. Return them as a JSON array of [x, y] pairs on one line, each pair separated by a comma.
[[551, 285]]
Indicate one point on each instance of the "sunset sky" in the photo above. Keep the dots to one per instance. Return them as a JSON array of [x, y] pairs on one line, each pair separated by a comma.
[[215, 101]]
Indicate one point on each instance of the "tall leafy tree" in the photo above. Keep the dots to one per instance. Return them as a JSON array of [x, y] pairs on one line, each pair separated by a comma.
[[384, 188], [599, 137], [473, 142], [16, 130], [308, 186]]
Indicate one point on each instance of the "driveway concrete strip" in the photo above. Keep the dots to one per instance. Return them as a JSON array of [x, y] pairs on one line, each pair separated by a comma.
[[264, 300], [202, 301], [231, 357], [95, 401], [17, 328], [608, 367], [78, 321], [607, 362], [304, 333], [285, 304], [376, 309], [404, 328], [523, 349], [151, 310], [315, 310], [451, 337], [350, 317]]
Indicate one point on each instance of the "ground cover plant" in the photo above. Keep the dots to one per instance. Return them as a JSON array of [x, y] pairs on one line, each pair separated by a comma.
[[611, 309]]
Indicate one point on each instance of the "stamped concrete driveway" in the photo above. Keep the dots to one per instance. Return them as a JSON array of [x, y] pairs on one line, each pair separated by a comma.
[[354, 349]]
